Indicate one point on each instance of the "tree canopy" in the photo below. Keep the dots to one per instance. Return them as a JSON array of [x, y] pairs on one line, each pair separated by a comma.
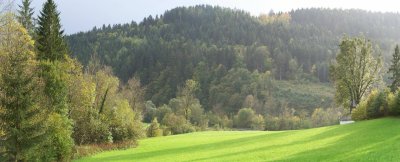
[[356, 69]]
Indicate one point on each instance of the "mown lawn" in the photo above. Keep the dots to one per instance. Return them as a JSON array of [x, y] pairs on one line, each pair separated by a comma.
[[374, 140]]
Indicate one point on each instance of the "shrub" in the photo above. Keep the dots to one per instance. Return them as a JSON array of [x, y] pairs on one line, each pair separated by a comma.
[[213, 119], [154, 129], [218, 122], [196, 115], [244, 118], [258, 122], [124, 125], [150, 111], [391, 100], [360, 112], [396, 109], [177, 124], [87, 150], [294, 123], [226, 122], [272, 123], [305, 123], [91, 130], [162, 111], [375, 104], [322, 117], [59, 144], [166, 131]]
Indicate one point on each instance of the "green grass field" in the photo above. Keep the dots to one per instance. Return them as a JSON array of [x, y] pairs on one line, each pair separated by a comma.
[[374, 140]]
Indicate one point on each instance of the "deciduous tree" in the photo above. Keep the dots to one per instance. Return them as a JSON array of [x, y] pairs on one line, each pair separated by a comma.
[[355, 71]]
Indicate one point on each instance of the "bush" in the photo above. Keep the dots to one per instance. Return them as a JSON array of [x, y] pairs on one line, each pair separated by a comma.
[[391, 100], [166, 131], [87, 150], [258, 122], [177, 124], [396, 108], [305, 123], [196, 115], [91, 130], [360, 112], [272, 123], [219, 122], [294, 123], [150, 111], [59, 144], [154, 129], [324, 117], [124, 125], [375, 104], [286, 122], [244, 118], [162, 111]]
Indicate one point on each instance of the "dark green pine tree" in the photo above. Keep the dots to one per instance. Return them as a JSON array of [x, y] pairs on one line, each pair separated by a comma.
[[21, 117], [50, 38], [52, 55], [395, 70], [25, 16]]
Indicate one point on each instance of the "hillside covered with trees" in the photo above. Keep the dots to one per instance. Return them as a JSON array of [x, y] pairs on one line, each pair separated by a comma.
[[238, 60], [191, 69]]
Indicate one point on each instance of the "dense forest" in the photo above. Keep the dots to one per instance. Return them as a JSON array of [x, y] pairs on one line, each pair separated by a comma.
[[232, 55]]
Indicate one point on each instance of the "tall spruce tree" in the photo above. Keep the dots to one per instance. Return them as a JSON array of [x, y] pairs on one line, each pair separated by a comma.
[[395, 70], [25, 16], [52, 56], [50, 42], [21, 117]]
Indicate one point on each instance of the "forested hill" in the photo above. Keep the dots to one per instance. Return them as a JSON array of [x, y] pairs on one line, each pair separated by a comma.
[[231, 54]]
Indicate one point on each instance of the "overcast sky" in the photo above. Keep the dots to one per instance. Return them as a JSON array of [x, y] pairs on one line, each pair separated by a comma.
[[83, 15]]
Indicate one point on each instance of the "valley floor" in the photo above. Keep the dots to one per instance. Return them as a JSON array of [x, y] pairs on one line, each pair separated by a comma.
[[374, 140]]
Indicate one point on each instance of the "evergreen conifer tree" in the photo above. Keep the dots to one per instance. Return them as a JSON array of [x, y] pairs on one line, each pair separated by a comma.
[[50, 41], [154, 129], [25, 16], [53, 65], [21, 117], [395, 70]]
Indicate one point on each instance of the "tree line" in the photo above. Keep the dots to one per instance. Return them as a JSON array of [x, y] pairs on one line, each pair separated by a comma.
[[48, 102], [221, 48]]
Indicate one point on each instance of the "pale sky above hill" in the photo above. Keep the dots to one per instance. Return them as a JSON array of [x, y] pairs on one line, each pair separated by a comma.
[[83, 15]]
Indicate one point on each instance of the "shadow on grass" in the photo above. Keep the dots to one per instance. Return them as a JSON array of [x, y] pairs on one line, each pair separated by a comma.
[[363, 143], [321, 136], [353, 144], [338, 143], [191, 150]]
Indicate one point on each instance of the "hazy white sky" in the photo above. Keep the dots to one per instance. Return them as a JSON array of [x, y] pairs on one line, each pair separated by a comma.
[[83, 15]]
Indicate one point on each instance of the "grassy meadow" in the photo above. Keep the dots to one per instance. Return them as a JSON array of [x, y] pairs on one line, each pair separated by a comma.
[[374, 140]]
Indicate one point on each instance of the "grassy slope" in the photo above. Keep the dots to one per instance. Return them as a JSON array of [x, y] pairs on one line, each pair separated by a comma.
[[375, 140], [304, 95]]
